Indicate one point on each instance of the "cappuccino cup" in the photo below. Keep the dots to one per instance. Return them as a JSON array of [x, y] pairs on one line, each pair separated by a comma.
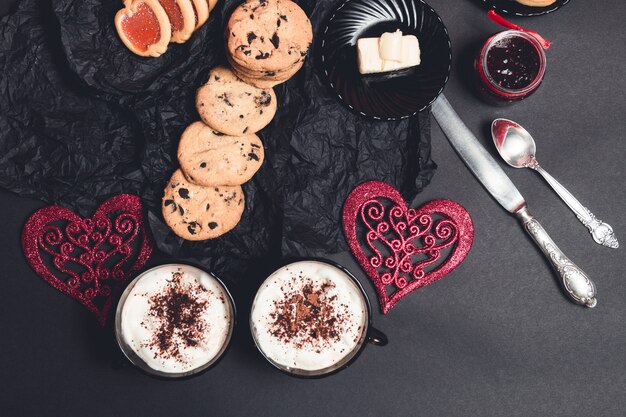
[[174, 320], [312, 318]]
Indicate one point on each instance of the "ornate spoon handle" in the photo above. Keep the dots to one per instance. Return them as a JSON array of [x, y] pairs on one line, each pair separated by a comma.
[[577, 285], [602, 232]]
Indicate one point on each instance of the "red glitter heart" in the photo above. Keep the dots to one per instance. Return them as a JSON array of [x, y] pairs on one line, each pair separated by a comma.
[[400, 243], [88, 259]]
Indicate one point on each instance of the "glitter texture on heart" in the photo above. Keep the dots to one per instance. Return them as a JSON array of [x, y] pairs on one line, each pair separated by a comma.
[[400, 248], [88, 259]]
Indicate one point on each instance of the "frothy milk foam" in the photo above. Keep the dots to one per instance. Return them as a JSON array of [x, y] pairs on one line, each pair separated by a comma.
[[308, 315], [176, 318]]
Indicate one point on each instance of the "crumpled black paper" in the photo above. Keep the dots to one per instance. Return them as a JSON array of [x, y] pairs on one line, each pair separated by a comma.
[[83, 119]]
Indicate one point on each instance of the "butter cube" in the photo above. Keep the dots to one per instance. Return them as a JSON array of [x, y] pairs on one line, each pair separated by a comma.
[[391, 46], [410, 51], [410, 55], [390, 52], [368, 56]]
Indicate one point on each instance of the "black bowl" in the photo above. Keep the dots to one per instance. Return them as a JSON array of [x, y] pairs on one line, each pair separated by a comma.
[[388, 98], [511, 7]]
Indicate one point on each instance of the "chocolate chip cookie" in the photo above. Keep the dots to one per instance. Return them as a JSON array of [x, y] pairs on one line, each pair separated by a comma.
[[257, 73], [268, 35], [195, 212], [210, 158], [267, 81], [229, 105]]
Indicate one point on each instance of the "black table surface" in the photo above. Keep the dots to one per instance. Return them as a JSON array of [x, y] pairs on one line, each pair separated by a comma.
[[496, 337]]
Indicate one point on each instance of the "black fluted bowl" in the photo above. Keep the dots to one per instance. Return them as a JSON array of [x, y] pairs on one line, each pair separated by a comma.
[[511, 7], [386, 98]]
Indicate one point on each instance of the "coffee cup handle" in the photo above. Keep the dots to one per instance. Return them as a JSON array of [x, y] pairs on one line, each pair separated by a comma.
[[376, 337]]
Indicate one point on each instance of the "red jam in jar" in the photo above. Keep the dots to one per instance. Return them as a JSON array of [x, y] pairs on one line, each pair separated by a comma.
[[510, 66]]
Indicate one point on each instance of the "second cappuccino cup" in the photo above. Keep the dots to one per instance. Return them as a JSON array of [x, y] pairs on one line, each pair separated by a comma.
[[312, 318]]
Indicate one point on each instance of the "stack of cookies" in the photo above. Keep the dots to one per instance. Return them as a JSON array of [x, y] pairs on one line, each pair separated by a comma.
[[267, 41], [204, 199]]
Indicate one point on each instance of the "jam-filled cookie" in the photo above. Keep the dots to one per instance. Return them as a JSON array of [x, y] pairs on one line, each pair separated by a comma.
[[182, 18], [143, 26], [201, 10]]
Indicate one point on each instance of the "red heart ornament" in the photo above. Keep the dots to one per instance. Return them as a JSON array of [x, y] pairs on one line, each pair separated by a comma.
[[401, 248], [88, 259]]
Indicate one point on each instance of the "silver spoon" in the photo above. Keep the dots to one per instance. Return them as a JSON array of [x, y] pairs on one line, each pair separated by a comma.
[[518, 149]]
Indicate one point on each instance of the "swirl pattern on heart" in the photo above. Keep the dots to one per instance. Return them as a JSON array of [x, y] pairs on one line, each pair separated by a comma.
[[403, 248], [397, 229], [88, 259]]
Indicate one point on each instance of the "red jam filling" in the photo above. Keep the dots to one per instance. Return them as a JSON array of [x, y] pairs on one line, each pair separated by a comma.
[[173, 13], [513, 63], [142, 29]]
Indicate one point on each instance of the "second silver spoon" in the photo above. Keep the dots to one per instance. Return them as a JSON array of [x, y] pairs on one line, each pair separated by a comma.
[[518, 149]]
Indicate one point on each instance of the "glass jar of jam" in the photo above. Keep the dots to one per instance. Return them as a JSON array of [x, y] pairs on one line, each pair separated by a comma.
[[510, 67]]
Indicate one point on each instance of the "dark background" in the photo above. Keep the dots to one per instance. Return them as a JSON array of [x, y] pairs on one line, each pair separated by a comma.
[[494, 338]]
